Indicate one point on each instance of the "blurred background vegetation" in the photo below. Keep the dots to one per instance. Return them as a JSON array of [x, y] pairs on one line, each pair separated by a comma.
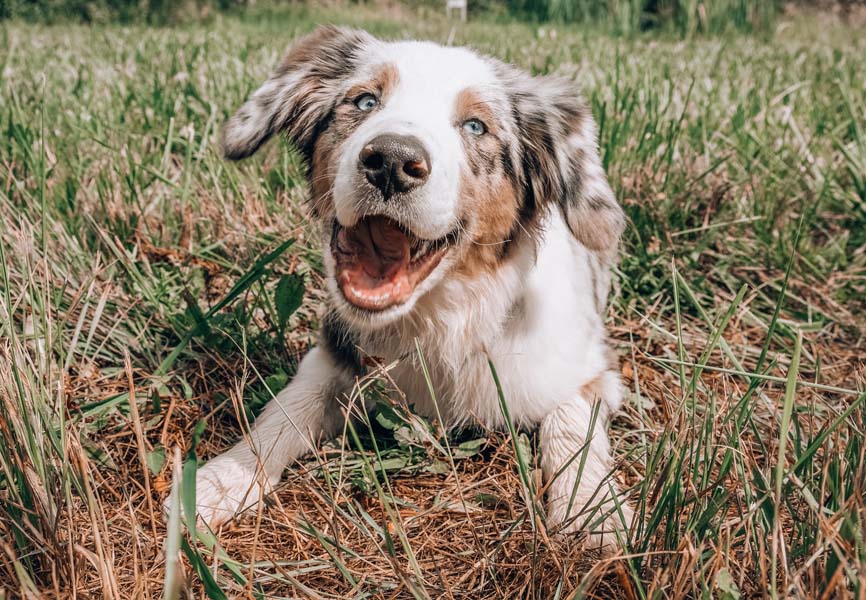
[[682, 17]]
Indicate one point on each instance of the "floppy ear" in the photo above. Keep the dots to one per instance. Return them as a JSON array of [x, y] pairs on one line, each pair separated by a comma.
[[561, 163], [300, 94]]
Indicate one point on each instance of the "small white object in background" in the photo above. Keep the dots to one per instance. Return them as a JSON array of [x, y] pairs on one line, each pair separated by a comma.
[[460, 5]]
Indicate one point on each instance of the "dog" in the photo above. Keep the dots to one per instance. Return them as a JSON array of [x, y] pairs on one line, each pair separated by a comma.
[[465, 214]]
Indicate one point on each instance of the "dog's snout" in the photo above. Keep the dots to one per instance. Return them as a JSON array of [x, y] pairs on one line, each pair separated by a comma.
[[395, 163]]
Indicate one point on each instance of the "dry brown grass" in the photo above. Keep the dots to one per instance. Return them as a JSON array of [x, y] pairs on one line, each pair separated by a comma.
[[454, 526]]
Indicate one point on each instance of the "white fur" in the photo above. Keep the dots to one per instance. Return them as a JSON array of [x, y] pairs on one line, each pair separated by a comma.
[[537, 317]]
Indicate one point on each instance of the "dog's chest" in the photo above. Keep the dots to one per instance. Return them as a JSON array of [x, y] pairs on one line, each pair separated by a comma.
[[537, 371]]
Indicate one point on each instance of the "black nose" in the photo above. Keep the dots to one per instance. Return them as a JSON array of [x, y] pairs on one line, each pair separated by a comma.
[[395, 163]]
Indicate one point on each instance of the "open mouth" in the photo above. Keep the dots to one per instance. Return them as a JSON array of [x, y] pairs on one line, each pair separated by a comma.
[[380, 263]]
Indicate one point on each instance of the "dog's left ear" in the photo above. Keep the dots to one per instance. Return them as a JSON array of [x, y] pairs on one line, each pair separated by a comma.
[[561, 162], [299, 95]]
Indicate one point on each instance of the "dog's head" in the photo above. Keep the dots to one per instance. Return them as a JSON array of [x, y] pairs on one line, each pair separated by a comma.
[[426, 161]]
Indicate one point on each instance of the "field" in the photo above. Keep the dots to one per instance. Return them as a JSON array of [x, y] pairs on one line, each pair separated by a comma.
[[153, 296]]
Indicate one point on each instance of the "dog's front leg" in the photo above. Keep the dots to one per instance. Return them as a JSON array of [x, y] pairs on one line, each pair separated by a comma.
[[287, 428], [579, 491]]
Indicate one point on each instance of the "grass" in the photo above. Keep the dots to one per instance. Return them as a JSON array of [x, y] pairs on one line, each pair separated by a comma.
[[153, 297]]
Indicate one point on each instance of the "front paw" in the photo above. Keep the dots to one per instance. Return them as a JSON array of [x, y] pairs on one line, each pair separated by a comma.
[[226, 486], [606, 525]]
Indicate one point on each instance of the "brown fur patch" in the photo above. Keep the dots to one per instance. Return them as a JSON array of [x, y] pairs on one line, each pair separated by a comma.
[[593, 390], [322, 173], [384, 81], [346, 118], [491, 202], [494, 206], [471, 104]]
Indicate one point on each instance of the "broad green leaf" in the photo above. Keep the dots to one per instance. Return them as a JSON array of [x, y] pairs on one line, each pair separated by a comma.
[[155, 459], [288, 296], [726, 587], [469, 448]]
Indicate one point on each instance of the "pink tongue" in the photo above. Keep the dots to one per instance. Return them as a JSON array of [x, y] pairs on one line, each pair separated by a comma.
[[384, 247], [374, 263]]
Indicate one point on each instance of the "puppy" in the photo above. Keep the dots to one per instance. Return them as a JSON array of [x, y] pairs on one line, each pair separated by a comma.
[[464, 207]]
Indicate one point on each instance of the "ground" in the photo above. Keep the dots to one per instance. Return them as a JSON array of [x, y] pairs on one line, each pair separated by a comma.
[[149, 298]]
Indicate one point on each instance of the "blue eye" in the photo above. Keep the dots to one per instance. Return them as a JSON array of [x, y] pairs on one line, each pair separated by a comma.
[[474, 127], [366, 102]]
